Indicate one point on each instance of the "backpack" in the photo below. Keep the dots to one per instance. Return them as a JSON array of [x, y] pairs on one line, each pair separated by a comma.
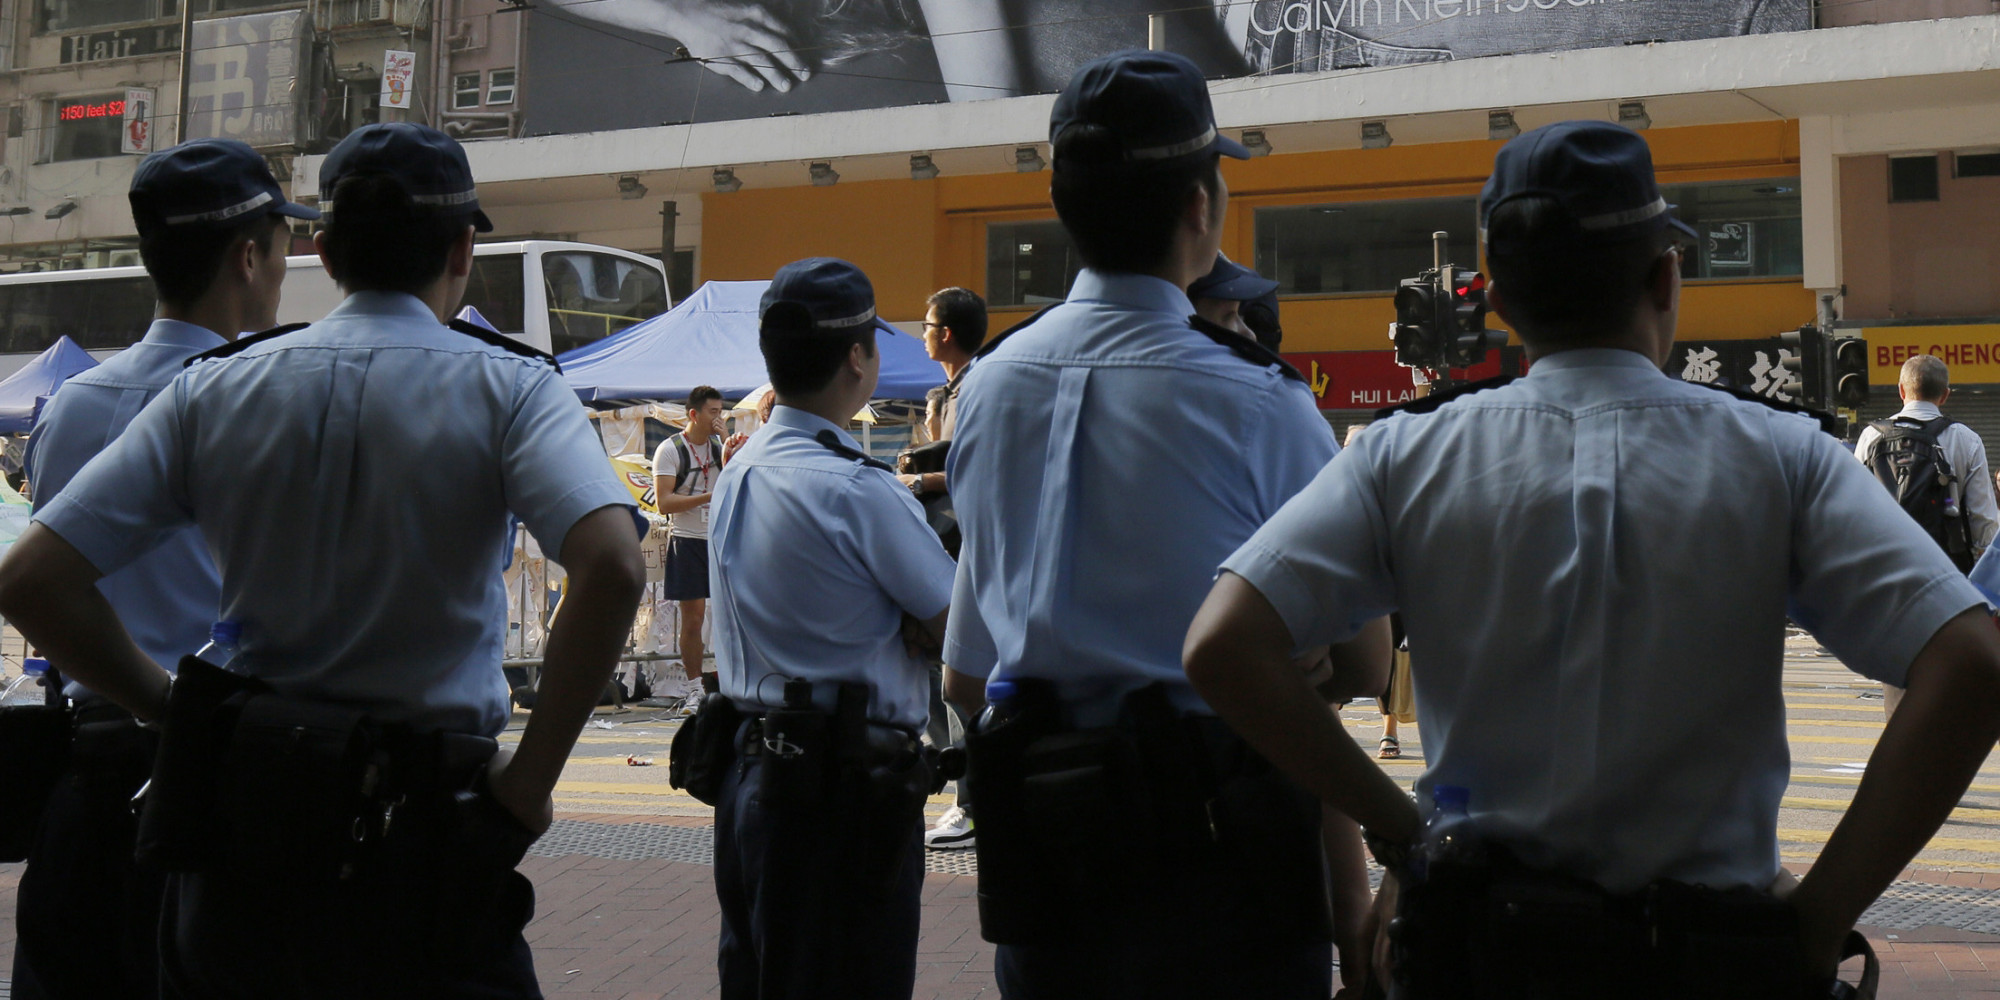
[[684, 483], [1910, 463]]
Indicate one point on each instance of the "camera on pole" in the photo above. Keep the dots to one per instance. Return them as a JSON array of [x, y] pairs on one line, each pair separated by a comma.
[[1441, 318]]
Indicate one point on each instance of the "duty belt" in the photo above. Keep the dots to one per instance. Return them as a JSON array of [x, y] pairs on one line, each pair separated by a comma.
[[884, 741]]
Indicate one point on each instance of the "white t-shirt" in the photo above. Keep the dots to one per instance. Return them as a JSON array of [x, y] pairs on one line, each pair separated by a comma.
[[698, 477]]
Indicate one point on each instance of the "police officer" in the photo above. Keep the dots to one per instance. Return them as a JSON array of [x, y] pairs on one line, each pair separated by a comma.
[[1639, 543], [1130, 846], [353, 480], [820, 558], [212, 234], [1221, 295]]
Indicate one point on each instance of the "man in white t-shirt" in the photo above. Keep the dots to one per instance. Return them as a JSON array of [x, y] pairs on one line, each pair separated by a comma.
[[684, 471]]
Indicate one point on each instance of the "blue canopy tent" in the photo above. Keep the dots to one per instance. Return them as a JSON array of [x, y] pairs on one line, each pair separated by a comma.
[[22, 392], [710, 338]]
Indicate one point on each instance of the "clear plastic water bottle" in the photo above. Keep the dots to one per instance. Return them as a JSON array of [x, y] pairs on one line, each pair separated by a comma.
[[1950, 505], [27, 688], [222, 640], [999, 705]]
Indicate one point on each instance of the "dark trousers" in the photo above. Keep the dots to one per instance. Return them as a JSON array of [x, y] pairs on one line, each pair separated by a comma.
[[425, 920], [87, 918], [798, 920], [1198, 961]]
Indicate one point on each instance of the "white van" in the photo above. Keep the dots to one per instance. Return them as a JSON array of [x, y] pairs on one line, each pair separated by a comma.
[[550, 295]]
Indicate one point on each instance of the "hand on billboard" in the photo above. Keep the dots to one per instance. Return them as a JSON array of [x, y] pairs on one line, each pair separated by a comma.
[[743, 41]]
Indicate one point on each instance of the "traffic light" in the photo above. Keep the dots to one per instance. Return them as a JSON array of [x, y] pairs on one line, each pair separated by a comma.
[[1466, 337], [1416, 321], [1812, 387], [1849, 378]]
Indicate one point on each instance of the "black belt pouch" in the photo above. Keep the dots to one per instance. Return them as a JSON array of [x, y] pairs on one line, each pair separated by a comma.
[[296, 783], [35, 743], [704, 749], [180, 827]]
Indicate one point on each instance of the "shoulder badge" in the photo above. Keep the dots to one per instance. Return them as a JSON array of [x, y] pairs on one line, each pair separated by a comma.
[[1246, 348], [503, 342], [1437, 399], [995, 340], [833, 444], [244, 341], [1827, 421]]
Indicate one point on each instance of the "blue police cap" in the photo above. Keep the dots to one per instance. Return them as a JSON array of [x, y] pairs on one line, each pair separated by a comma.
[[1155, 104], [427, 163], [834, 292], [1231, 281], [207, 182], [1600, 174]]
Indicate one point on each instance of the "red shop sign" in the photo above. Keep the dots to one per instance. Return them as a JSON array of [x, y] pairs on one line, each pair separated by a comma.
[[1366, 380]]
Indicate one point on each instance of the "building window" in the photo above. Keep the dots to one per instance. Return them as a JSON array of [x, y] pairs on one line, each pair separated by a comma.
[[1913, 178], [1976, 165], [69, 15], [1749, 229], [1029, 263], [86, 127], [1359, 246], [465, 91], [500, 87]]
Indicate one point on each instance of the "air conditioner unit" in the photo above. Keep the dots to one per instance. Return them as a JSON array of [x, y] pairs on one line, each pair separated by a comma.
[[123, 258], [467, 36]]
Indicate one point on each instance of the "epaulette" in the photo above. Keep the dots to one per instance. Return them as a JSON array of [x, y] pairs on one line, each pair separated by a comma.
[[997, 339], [1431, 402], [1245, 347], [834, 444], [1827, 421], [503, 342], [244, 341]]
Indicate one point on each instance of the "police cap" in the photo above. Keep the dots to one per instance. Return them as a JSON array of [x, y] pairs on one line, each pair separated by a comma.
[[428, 164], [832, 291], [1231, 282], [1598, 173], [207, 182], [1155, 104]]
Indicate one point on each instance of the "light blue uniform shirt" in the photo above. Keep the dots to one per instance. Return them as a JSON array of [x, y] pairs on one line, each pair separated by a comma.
[[353, 481], [1594, 565], [168, 597], [813, 559], [1107, 458]]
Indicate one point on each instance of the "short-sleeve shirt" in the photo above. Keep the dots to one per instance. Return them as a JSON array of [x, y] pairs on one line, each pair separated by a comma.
[[354, 481], [814, 558], [694, 478], [1107, 458], [168, 597], [1594, 566]]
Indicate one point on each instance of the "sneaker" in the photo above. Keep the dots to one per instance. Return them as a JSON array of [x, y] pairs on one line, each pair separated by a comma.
[[953, 831], [692, 703]]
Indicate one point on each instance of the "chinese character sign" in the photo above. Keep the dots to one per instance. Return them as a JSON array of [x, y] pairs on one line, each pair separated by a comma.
[[138, 134], [245, 81], [399, 71]]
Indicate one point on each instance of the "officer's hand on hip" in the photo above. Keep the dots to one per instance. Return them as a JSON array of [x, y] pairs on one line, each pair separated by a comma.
[[534, 810]]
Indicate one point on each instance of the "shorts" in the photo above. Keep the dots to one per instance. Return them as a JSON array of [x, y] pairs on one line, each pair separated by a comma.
[[686, 576]]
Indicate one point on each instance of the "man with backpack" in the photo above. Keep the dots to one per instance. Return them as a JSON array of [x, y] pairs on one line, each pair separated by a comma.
[[684, 471], [1935, 467]]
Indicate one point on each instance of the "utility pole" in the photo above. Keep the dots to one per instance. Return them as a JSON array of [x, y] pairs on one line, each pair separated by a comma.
[[187, 69], [669, 212]]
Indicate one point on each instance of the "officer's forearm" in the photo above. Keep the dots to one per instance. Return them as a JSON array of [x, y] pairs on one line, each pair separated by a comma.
[[1932, 748], [606, 579], [48, 590], [966, 691], [1239, 657]]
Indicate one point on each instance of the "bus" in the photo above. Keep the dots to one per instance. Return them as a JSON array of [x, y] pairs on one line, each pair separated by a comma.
[[550, 295]]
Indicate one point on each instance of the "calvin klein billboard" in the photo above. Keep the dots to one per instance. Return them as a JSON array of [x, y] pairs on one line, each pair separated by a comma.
[[611, 64]]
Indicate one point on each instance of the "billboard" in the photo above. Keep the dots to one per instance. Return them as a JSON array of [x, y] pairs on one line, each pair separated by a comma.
[[691, 62], [248, 78]]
